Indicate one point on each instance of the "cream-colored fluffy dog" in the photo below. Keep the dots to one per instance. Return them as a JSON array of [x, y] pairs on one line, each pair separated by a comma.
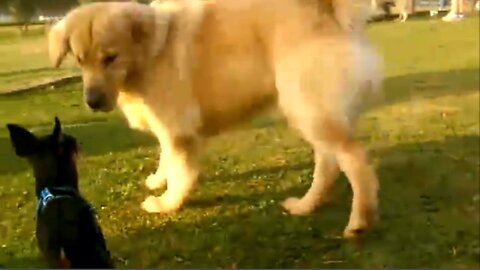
[[188, 69]]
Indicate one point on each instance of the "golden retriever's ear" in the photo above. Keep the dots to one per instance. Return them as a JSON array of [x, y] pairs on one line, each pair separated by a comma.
[[58, 43], [154, 26], [139, 29], [162, 23]]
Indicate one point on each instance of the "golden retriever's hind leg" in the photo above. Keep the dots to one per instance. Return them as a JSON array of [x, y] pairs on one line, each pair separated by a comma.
[[353, 162], [324, 176], [181, 173]]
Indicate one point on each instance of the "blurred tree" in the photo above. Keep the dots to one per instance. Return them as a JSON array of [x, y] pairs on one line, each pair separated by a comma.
[[23, 12], [89, 1], [55, 7], [3, 5], [143, 1]]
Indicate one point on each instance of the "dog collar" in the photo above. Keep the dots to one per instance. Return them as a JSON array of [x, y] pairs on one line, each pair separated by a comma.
[[54, 193], [45, 197]]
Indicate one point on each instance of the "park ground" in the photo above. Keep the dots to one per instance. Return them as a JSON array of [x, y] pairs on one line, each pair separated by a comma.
[[423, 141]]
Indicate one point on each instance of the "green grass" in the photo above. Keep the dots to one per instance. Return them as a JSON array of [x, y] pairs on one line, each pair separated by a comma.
[[24, 59], [423, 141]]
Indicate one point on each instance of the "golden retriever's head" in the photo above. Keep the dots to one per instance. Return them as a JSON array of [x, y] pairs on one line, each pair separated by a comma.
[[114, 44]]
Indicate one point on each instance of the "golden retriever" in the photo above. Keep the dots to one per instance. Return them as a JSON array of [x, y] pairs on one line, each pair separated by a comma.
[[186, 70]]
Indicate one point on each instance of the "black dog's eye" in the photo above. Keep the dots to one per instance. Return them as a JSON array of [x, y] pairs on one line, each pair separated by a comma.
[[107, 60]]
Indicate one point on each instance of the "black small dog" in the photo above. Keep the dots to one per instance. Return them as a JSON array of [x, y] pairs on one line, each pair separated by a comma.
[[67, 231]]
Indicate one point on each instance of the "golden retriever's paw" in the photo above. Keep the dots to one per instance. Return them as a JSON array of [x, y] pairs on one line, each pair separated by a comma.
[[160, 204], [155, 181], [296, 206], [152, 205], [357, 226], [355, 232]]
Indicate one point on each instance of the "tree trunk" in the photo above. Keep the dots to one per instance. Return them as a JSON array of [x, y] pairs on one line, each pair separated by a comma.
[[24, 28]]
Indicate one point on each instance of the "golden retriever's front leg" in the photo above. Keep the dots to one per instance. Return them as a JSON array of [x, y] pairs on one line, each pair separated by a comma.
[[137, 116], [134, 111], [181, 174], [159, 178]]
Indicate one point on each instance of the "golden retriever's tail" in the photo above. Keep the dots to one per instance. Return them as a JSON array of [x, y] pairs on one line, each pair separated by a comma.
[[366, 78]]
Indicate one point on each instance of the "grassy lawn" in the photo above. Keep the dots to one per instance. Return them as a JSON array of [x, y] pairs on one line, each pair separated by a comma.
[[24, 58], [424, 142]]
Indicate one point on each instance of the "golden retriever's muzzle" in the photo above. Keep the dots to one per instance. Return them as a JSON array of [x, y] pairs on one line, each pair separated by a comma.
[[97, 99]]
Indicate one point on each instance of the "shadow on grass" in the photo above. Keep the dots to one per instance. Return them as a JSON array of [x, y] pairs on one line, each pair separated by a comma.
[[430, 85], [97, 138], [18, 72], [427, 201], [25, 263], [427, 208]]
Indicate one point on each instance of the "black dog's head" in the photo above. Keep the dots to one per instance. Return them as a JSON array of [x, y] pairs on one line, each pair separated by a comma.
[[52, 156]]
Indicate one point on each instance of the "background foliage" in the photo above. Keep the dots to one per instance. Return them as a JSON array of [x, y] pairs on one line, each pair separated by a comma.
[[25, 11]]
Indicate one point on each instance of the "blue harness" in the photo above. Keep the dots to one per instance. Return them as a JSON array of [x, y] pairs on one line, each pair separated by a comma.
[[47, 196]]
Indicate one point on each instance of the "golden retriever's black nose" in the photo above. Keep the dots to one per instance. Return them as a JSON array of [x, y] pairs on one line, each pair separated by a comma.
[[95, 99]]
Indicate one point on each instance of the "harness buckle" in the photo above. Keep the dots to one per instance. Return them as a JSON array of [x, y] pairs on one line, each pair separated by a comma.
[[45, 196]]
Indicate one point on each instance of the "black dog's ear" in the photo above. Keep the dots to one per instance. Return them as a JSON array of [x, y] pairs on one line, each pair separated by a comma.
[[57, 129], [23, 141]]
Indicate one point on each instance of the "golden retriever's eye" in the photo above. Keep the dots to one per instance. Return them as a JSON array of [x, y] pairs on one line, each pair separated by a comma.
[[107, 60], [79, 60]]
